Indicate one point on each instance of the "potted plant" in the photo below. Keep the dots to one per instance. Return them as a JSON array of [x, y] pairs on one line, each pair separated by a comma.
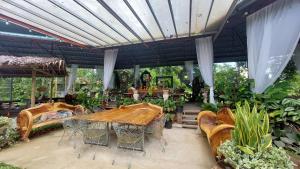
[[169, 120], [169, 106], [251, 143], [179, 104], [179, 109]]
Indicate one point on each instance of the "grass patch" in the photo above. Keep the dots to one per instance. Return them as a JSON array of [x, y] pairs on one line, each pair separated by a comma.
[[44, 129], [7, 166]]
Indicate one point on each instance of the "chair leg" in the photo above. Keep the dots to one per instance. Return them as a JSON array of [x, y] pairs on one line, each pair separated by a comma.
[[94, 156], [61, 138]]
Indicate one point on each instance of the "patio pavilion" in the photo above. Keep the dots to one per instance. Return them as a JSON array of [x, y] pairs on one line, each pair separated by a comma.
[[154, 37], [108, 35]]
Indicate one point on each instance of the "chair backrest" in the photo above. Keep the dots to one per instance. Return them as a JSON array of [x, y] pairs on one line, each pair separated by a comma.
[[61, 106], [45, 107], [206, 117], [226, 116]]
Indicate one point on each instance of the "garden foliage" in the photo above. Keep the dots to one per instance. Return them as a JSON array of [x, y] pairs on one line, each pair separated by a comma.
[[251, 132], [268, 159], [8, 134], [251, 143]]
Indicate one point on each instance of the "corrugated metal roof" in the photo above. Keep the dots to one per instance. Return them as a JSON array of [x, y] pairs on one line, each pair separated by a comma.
[[106, 23]]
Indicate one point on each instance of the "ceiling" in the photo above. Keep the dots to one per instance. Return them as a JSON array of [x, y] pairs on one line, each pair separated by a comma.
[[229, 46], [106, 23]]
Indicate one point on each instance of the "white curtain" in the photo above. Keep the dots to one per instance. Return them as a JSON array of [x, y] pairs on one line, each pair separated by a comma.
[[71, 79], [272, 35], [296, 58], [205, 56], [99, 72], [136, 74], [189, 66], [110, 57], [111, 84]]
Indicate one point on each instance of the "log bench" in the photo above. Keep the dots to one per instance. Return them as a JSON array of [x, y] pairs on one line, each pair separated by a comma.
[[27, 117], [216, 126]]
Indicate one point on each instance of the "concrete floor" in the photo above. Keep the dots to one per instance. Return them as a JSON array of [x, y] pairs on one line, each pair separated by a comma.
[[186, 149]]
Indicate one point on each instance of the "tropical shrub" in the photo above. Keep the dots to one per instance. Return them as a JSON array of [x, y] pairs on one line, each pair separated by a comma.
[[251, 144], [159, 102], [84, 98], [287, 85], [251, 132], [285, 112], [169, 105], [231, 84], [8, 135], [285, 122], [128, 101], [209, 107], [180, 102]]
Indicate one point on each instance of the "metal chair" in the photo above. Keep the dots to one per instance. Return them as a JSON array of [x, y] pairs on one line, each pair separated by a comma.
[[96, 133], [155, 129], [70, 125], [129, 137]]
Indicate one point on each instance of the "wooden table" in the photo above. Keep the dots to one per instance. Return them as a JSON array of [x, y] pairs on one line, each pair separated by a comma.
[[138, 114]]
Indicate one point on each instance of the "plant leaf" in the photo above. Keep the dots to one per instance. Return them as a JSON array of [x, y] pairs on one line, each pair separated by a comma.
[[279, 143], [246, 150], [287, 140], [289, 109]]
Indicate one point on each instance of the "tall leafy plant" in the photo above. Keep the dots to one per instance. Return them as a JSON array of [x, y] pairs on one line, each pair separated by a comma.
[[251, 132]]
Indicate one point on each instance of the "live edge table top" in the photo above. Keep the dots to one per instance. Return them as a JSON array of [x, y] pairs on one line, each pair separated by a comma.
[[137, 114]]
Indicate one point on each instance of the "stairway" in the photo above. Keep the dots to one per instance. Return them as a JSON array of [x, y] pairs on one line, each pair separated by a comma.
[[189, 116]]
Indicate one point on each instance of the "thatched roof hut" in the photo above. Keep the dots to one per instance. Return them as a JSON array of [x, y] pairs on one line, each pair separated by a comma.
[[12, 66]]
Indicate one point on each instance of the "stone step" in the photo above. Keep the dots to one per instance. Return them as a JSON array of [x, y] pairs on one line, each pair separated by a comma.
[[184, 121], [191, 112], [189, 126], [191, 117]]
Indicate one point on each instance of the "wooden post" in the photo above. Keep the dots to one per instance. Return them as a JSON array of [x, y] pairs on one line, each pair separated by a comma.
[[51, 89], [11, 90], [55, 87], [33, 83], [66, 83]]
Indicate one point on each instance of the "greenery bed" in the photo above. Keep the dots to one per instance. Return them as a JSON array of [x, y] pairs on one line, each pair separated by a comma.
[[8, 135], [271, 158], [7, 166], [251, 143]]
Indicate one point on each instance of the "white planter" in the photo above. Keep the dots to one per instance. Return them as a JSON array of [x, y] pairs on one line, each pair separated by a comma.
[[165, 94], [136, 96]]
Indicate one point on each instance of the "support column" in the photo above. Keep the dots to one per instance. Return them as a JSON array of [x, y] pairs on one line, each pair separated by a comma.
[[51, 89], [11, 90], [33, 84]]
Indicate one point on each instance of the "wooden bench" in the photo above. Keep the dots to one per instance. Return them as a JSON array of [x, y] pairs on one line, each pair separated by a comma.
[[26, 117], [216, 126]]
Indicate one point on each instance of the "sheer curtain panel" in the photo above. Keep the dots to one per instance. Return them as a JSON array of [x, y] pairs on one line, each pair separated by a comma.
[[204, 49], [71, 78], [110, 57], [189, 66], [99, 72], [297, 58], [272, 35], [136, 74]]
